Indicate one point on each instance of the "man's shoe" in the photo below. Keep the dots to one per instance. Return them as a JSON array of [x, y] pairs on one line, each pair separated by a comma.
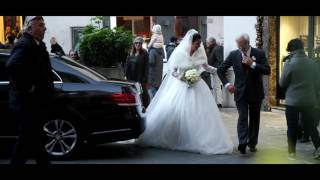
[[292, 156], [219, 105], [316, 154], [253, 149], [242, 148]]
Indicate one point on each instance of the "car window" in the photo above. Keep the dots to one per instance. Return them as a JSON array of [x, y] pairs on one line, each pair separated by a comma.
[[67, 77], [55, 76], [3, 74], [82, 69]]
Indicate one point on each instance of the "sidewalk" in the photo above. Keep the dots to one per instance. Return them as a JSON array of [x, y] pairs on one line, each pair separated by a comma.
[[272, 147]]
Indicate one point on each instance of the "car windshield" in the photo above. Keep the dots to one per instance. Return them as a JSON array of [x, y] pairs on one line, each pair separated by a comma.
[[82, 69]]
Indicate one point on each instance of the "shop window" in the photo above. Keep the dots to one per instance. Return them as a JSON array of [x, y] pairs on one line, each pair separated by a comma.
[[138, 25], [317, 38], [292, 27]]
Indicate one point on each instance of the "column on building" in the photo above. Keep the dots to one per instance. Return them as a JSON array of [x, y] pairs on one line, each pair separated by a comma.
[[2, 35]]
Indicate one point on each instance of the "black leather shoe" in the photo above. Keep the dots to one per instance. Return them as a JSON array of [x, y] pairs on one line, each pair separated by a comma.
[[219, 105], [242, 148], [253, 149]]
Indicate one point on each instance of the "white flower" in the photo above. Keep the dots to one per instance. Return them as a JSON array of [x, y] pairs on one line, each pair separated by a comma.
[[191, 76]]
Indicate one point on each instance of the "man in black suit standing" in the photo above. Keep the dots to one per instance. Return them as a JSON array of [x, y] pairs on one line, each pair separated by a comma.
[[31, 91], [249, 65]]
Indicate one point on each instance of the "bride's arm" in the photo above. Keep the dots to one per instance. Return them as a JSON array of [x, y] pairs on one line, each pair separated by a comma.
[[209, 68], [177, 73]]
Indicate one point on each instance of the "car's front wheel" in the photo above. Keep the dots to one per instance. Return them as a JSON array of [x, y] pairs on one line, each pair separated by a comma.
[[62, 138]]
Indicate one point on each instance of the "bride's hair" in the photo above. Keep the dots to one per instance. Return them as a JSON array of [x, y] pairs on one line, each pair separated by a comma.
[[196, 37], [180, 57]]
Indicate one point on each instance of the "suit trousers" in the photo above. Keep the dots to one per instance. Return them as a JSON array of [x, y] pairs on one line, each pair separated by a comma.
[[31, 137], [248, 131]]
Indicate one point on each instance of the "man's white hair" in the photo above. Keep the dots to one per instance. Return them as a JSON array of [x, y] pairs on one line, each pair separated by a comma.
[[244, 36], [28, 22], [211, 39]]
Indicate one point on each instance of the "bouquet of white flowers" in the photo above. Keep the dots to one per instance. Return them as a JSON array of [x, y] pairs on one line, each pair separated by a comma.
[[191, 76]]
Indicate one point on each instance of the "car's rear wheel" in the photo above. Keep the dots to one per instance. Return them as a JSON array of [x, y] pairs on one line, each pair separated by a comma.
[[62, 138]]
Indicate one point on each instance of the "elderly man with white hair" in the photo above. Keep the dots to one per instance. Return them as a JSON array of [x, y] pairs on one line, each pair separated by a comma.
[[215, 59], [31, 92], [249, 65]]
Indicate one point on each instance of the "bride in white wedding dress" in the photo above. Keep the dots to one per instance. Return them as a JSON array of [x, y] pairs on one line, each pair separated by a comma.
[[183, 117]]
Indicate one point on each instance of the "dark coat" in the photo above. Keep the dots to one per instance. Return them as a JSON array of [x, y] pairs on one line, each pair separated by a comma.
[[30, 74], [246, 82], [137, 67], [299, 78], [155, 67], [215, 56], [169, 49], [57, 49]]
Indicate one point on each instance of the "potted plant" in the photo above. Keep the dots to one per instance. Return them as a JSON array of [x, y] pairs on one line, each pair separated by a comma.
[[104, 49]]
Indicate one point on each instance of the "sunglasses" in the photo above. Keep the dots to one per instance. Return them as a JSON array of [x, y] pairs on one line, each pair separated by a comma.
[[138, 43]]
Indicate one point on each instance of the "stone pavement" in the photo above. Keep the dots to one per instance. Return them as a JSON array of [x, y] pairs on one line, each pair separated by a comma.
[[272, 148]]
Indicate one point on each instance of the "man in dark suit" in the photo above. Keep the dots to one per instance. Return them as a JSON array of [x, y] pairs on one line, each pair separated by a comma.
[[249, 64], [31, 91]]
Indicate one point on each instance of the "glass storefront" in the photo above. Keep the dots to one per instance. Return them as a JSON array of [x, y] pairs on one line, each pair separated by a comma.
[[139, 25], [306, 28], [317, 38], [12, 24], [291, 27]]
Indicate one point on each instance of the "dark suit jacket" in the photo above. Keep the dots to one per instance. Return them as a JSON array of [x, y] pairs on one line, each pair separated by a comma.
[[30, 74], [215, 56], [246, 82]]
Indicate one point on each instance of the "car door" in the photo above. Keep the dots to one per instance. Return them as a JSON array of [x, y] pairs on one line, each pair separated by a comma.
[[6, 123]]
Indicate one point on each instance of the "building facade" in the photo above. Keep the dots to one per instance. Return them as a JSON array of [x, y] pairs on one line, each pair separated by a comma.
[[278, 31], [170, 25], [66, 29]]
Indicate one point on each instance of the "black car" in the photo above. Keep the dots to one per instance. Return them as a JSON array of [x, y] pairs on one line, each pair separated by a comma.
[[90, 108]]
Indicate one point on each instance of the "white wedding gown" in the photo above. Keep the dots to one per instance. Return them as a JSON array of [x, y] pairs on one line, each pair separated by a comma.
[[185, 118]]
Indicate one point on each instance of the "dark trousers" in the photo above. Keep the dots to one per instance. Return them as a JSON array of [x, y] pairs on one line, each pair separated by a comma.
[[31, 137], [248, 132], [309, 121], [302, 133]]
